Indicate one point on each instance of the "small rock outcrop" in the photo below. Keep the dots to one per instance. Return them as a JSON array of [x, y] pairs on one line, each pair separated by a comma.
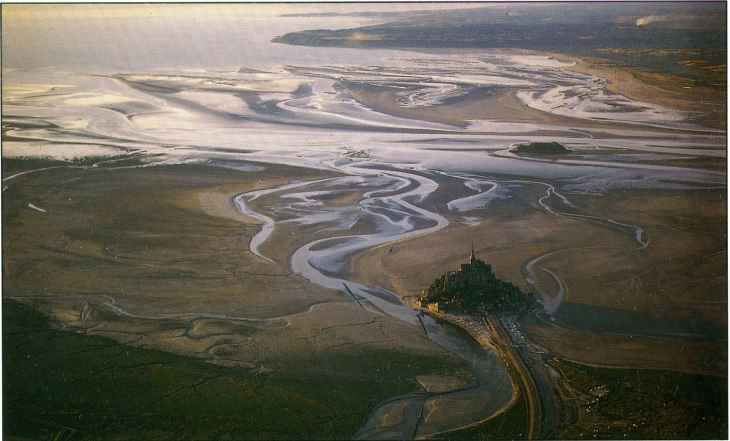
[[540, 148]]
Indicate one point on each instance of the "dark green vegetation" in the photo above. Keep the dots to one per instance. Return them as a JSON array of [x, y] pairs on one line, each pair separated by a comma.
[[687, 39], [66, 385], [644, 404], [540, 148]]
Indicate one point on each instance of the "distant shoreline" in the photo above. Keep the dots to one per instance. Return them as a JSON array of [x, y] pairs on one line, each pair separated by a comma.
[[504, 106], [707, 104]]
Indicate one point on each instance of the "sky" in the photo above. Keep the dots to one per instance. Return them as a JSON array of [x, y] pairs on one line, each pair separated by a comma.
[[55, 11], [143, 35]]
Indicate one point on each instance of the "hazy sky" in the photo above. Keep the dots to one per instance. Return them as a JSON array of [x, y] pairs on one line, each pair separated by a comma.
[[130, 36], [13, 12]]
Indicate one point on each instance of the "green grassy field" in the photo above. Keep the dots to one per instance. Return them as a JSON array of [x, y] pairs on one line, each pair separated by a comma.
[[644, 404]]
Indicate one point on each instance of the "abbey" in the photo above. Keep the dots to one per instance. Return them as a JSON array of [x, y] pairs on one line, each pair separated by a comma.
[[474, 286], [476, 272]]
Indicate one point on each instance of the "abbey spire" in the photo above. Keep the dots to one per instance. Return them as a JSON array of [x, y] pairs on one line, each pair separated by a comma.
[[474, 286]]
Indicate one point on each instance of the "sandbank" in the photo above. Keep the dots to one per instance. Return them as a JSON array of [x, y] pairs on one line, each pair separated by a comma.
[[707, 106], [502, 106], [709, 103]]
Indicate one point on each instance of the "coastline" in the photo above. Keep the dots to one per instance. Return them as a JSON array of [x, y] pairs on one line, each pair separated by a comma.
[[193, 248], [622, 82], [503, 105]]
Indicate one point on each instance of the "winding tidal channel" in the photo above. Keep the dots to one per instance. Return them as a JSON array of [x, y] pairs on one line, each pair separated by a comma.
[[329, 109], [390, 202]]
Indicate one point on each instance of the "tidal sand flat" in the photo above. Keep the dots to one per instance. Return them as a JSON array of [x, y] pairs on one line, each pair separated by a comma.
[[107, 262], [261, 222]]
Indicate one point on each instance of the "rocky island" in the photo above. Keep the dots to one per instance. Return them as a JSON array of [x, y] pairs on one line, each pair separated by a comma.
[[474, 286], [540, 148]]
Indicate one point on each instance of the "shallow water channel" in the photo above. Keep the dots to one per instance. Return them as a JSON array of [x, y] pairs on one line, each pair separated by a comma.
[[182, 102], [422, 414], [389, 200]]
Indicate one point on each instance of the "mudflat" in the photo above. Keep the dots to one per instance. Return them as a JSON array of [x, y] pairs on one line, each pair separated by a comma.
[[500, 104], [709, 103], [678, 275], [168, 232], [157, 257]]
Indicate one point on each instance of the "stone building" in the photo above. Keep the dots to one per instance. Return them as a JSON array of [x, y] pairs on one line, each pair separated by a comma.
[[474, 286], [474, 273]]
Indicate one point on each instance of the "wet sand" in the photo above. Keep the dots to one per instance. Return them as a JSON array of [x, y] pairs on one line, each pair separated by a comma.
[[503, 106], [104, 258], [601, 266], [625, 352], [160, 256], [150, 247], [709, 103]]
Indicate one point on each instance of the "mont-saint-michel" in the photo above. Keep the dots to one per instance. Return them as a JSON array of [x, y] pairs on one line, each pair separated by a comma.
[[364, 221], [474, 286]]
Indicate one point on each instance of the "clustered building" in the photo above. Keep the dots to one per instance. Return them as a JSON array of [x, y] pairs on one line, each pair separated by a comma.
[[474, 286], [476, 272]]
